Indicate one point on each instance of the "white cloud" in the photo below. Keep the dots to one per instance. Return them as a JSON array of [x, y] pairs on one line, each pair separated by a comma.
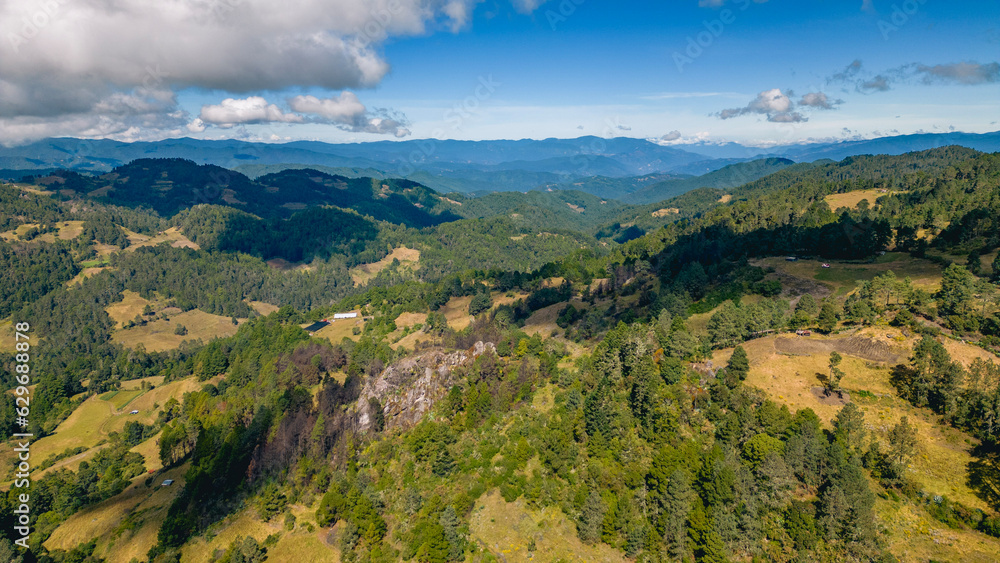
[[963, 73], [774, 103], [347, 112], [671, 136], [343, 109], [819, 100], [62, 59], [254, 109]]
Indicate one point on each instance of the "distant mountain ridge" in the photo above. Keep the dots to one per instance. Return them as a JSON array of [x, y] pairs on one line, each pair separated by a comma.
[[467, 166]]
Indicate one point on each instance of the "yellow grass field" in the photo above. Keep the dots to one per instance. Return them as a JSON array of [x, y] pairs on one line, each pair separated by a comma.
[[340, 329], [794, 380], [131, 305], [843, 278], [159, 335], [505, 528], [296, 546], [7, 337], [96, 418], [173, 235], [407, 257], [456, 310], [263, 308], [146, 504], [84, 274], [914, 537], [852, 199]]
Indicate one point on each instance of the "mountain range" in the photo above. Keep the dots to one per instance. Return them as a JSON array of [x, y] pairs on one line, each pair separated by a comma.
[[624, 168]]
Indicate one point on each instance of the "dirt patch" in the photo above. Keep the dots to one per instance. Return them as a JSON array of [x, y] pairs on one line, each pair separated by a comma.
[[857, 346], [794, 285], [726, 198], [825, 398]]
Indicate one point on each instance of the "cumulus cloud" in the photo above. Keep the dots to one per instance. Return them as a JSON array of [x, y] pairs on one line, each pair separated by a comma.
[[671, 136], [345, 108], [963, 73], [344, 111], [774, 103], [968, 73], [69, 60], [347, 112], [254, 109], [819, 100]]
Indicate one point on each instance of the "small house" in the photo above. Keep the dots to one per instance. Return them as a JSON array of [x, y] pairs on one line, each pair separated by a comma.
[[134, 412], [167, 482], [803, 332], [791, 259]]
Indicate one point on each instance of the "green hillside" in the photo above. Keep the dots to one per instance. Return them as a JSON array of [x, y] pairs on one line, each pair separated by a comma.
[[511, 389]]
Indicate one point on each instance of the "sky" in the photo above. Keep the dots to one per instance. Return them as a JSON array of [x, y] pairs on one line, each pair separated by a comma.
[[757, 72]]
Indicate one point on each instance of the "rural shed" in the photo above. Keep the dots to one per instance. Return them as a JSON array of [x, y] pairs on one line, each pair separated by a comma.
[[345, 315]]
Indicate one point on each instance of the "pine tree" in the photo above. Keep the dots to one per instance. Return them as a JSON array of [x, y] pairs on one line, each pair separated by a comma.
[[849, 427], [456, 543], [902, 442], [833, 384], [591, 518], [827, 319], [738, 367]]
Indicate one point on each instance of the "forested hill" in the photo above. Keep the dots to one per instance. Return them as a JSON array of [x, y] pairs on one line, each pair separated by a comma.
[[853, 173], [513, 391], [170, 185]]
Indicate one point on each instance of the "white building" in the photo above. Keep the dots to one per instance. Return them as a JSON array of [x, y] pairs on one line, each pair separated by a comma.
[[345, 316]]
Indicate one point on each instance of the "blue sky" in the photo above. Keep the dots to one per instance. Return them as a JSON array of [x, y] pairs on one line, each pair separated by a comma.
[[751, 71]]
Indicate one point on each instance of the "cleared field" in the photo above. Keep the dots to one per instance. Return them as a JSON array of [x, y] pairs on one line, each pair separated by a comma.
[[84, 274], [7, 337], [160, 335], [131, 305], [297, 546], [96, 418], [340, 329], [407, 257], [456, 310], [915, 537], [263, 308], [146, 505], [966, 353], [173, 235], [505, 528], [852, 199], [791, 370], [842, 278]]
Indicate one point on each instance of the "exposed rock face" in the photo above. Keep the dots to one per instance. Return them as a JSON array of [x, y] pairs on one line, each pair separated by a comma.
[[409, 388]]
